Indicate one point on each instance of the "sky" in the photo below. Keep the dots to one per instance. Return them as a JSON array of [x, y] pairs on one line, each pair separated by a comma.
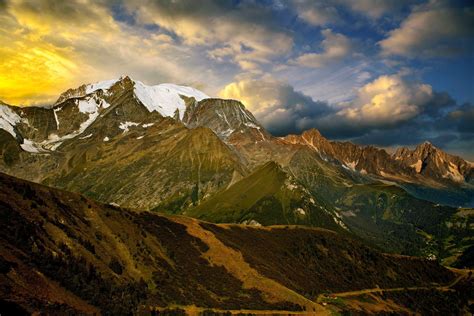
[[384, 72]]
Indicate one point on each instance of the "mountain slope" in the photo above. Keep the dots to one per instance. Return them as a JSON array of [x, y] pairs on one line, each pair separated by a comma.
[[161, 161], [91, 256], [268, 196]]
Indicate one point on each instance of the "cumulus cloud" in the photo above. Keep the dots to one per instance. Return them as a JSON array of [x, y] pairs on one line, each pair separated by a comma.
[[387, 100], [335, 47], [432, 30], [276, 105], [390, 110]]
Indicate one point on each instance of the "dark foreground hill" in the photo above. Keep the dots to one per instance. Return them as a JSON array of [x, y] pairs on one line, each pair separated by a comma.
[[61, 253]]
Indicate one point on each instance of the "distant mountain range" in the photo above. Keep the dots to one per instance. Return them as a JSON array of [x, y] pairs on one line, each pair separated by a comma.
[[174, 150]]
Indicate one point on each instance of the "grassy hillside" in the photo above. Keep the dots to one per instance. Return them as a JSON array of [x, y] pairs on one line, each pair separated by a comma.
[[383, 214], [61, 253], [268, 196]]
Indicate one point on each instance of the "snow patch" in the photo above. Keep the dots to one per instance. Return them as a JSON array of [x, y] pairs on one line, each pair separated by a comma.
[[56, 116], [106, 139], [148, 125], [246, 114], [226, 133], [252, 125], [251, 222], [91, 105], [31, 146], [87, 136], [125, 125], [140, 137], [338, 220], [8, 119], [101, 85], [166, 98]]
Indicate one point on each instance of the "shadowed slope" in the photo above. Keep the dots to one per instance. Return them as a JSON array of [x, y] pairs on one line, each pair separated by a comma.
[[120, 261]]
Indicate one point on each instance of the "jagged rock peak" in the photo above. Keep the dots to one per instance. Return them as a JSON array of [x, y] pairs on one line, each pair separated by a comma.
[[223, 116], [312, 138], [425, 148]]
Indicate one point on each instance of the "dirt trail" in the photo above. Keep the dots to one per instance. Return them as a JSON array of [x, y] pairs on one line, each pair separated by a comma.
[[446, 287]]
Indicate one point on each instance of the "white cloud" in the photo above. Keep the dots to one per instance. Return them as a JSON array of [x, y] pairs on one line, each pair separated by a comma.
[[382, 103], [387, 100], [276, 104], [433, 29], [335, 47]]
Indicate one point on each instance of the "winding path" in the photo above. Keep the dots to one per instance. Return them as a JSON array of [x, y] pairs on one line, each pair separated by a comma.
[[447, 287]]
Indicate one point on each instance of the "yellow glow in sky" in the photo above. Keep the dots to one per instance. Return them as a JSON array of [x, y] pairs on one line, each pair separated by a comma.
[[33, 71]]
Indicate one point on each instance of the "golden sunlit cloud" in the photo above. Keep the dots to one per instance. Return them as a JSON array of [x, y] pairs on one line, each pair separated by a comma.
[[255, 95]]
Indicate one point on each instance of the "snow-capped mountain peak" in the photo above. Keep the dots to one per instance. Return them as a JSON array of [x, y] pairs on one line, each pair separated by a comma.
[[163, 98]]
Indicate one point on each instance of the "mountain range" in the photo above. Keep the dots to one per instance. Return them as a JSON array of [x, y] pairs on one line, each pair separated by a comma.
[[126, 198], [172, 149]]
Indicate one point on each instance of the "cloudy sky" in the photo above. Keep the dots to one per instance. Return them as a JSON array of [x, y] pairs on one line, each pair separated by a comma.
[[383, 72]]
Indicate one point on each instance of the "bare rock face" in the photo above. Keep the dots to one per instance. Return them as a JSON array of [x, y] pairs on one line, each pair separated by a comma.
[[425, 163], [224, 117], [432, 162]]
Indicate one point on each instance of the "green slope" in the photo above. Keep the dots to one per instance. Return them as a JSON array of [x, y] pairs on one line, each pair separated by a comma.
[[268, 196]]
